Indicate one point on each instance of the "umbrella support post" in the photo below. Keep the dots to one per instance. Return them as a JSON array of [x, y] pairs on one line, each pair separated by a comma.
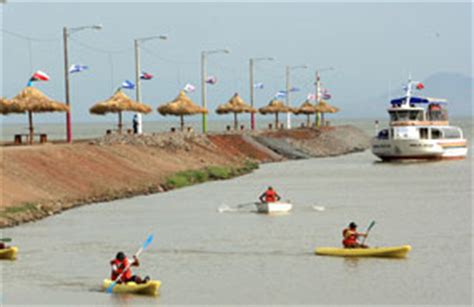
[[120, 122], [182, 122], [31, 129], [276, 121], [236, 124]]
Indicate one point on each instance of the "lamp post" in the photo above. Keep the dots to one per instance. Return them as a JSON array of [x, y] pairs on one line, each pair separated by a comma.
[[66, 33], [251, 70], [204, 55], [138, 92], [288, 90], [317, 85]]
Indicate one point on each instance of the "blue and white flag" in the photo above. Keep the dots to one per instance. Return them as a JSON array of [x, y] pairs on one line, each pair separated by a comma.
[[127, 84], [189, 88], [280, 94], [294, 89], [77, 68], [258, 85]]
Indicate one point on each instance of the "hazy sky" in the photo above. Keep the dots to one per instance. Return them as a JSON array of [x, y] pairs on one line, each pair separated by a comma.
[[371, 45]]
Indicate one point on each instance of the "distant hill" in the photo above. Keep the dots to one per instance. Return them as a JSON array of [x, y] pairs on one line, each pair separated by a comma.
[[456, 88]]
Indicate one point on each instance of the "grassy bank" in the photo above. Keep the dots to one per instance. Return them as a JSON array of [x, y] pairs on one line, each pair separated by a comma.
[[187, 178]]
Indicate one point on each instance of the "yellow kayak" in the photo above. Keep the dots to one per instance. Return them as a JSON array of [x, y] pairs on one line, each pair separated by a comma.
[[391, 252], [149, 288], [8, 253]]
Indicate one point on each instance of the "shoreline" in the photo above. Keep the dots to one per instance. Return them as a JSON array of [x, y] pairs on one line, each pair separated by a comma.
[[40, 181]]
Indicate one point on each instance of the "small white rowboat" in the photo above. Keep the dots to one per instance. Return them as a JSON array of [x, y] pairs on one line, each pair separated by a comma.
[[275, 207]]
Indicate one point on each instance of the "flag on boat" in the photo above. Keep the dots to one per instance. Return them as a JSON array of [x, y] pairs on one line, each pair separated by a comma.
[[189, 88], [127, 84], [146, 76], [211, 80], [420, 86], [280, 94], [77, 68], [258, 85]]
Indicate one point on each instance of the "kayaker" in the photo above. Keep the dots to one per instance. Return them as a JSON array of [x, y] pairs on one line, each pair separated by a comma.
[[269, 196], [350, 236], [120, 263]]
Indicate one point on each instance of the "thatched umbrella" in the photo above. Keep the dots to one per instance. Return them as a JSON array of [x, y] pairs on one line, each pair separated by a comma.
[[306, 108], [235, 105], [275, 107], [118, 103], [324, 107], [32, 100], [7, 106], [181, 106]]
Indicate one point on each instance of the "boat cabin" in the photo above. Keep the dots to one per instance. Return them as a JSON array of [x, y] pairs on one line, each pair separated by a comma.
[[420, 133], [403, 113]]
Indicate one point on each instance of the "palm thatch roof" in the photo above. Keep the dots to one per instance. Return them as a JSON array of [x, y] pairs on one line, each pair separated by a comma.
[[181, 106], [306, 108], [31, 99], [324, 107], [235, 105], [7, 106], [117, 103], [275, 106]]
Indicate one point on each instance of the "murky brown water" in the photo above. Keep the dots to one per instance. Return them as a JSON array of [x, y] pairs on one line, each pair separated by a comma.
[[206, 257]]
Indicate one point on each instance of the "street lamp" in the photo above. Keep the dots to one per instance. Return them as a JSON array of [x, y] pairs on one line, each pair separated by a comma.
[[317, 85], [138, 92], [288, 89], [251, 70], [66, 32], [204, 55]]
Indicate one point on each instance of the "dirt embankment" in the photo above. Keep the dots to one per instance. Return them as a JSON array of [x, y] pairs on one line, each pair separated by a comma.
[[37, 181]]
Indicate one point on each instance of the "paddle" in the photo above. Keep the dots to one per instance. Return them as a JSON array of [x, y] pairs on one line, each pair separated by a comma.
[[144, 246], [372, 224], [246, 204], [5, 239]]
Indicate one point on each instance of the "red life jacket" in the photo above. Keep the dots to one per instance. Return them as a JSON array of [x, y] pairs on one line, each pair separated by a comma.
[[270, 196], [350, 240], [120, 266]]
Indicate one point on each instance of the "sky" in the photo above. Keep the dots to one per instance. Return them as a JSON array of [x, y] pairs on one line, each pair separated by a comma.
[[372, 47]]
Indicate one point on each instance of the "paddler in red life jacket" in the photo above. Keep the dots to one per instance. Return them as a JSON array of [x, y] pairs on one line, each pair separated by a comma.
[[121, 263], [269, 196], [351, 235]]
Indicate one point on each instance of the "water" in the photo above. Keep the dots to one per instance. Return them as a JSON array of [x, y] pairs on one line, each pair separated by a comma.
[[206, 257]]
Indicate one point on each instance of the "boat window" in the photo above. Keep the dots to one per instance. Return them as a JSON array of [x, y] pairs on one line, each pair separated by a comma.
[[424, 133], [383, 135], [406, 133], [452, 133], [416, 115], [436, 134], [437, 113]]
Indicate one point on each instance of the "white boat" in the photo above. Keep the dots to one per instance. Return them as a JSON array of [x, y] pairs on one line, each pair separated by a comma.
[[419, 133], [275, 207]]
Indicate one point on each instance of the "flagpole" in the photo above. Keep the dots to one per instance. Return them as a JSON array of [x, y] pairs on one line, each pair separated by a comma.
[[252, 115], [66, 81], [137, 84], [138, 92], [66, 33], [288, 89], [203, 82]]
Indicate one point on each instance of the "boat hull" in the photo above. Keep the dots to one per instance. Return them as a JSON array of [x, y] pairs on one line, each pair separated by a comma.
[[393, 150], [275, 207], [150, 288], [387, 252], [8, 253]]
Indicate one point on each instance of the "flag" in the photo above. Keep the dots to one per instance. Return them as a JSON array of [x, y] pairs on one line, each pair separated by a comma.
[[127, 84], [77, 68], [189, 88], [145, 76], [420, 86], [311, 97], [39, 76], [325, 94], [280, 94], [258, 85], [211, 80], [294, 89]]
